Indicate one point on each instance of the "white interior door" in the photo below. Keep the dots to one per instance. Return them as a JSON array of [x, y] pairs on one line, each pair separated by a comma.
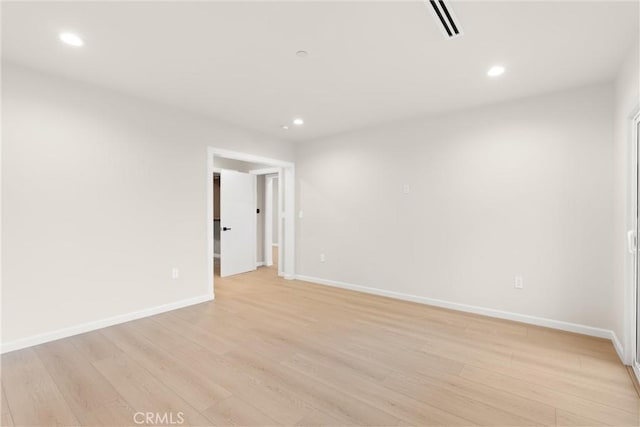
[[237, 222]]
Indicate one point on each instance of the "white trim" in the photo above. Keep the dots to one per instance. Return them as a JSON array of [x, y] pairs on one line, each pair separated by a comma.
[[237, 155], [629, 328], [524, 318], [288, 239], [636, 370], [268, 219], [264, 171], [102, 323], [259, 263], [210, 223], [618, 346], [254, 223], [280, 216]]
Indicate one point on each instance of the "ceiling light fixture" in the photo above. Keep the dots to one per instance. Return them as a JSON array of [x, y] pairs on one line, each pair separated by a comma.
[[71, 39], [495, 71], [298, 122], [284, 127], [302, 53]]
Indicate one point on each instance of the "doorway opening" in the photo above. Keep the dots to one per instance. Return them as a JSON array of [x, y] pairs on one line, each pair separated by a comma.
[[248, 228]]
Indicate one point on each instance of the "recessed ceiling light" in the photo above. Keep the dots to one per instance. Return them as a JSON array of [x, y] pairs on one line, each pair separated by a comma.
[[495, 71], [298, 122], [284, 127], [302, 53], [71, 39]]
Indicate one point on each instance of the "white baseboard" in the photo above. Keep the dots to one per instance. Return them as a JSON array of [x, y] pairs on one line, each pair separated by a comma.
[[259, 263], [617, 345], [636, 370], [99, 324], [524, 318]]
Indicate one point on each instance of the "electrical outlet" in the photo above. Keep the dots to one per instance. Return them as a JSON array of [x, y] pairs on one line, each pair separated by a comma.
[[322, 258], [175, 273], [300, 214], [406, 188], [518, 282]]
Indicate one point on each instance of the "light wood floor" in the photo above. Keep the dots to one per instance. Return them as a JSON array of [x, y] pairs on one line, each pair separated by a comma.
[[275, 352]]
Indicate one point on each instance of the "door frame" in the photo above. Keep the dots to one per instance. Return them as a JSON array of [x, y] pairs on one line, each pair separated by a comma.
[[269, 211], [632, 290], [286, 183]]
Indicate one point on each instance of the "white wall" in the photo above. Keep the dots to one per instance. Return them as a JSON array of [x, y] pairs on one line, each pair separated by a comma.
[[627, 101], [521, 188], [102, 195]]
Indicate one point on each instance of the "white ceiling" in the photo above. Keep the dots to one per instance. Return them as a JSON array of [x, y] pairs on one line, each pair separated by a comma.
[[369, 62]]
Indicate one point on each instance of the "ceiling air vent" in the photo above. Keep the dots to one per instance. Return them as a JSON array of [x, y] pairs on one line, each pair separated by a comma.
[[445, 17]]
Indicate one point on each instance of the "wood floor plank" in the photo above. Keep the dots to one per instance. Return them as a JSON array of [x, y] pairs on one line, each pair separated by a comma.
[[530, 409], [319, 418], [94, 346], [5, 413], [233, 411], [469, 408], [581, 367], [143, 392], [321, 396], [116, 413], [281, 405], [330, 351], [546, 338], [610, 372], [527, 369], [375, 394], [198, 390], [82, 386], [568, 419], [32, 395], [403, 361], [212, 340], [551, 396], [583, 386]]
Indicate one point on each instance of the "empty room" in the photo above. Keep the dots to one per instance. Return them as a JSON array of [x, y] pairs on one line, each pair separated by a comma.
[[320, 213]]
